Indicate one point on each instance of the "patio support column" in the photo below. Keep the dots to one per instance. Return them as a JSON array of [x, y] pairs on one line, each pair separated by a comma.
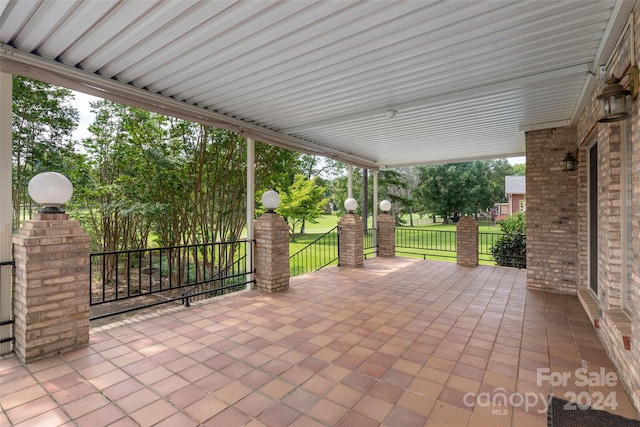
[[351, 241], [51, 286], [375, 204], [349, 181], [6, 210], [467, 241], [251, 196], [272, 253]]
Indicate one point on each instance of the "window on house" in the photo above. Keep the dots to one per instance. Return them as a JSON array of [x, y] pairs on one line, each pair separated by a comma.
[[627, 214]]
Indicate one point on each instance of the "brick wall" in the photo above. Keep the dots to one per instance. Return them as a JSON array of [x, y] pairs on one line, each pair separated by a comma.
[[619, 331], [552, 213]]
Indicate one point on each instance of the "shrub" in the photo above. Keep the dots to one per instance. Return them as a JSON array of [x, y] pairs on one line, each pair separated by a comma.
[[510, 250]]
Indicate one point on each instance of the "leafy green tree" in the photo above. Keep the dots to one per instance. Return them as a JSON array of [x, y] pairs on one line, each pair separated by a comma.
[[498, 169], [461, 188], [43, 120], [303, 201], [479, 196], [520, 169], [442, 189], [395, 185], [117, 198]]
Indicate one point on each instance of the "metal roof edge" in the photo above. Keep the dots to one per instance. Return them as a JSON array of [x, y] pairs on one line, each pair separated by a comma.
[[29, 65]]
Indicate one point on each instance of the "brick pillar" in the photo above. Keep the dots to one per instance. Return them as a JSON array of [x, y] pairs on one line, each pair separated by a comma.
[[351, 234], [386, 235], [467, 241], [51, 287], [272, 253]]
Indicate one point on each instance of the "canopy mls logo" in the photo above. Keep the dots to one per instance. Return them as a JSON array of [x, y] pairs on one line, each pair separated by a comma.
[[502, 401]]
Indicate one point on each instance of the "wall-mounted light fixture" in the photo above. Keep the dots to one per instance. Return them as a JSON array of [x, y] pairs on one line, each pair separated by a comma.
[[613, 101], [569, 162], [613, 97]]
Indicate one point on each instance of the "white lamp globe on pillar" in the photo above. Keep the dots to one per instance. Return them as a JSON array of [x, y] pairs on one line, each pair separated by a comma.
[[270, 200], [350, 205], [385, 206], [50, 190]]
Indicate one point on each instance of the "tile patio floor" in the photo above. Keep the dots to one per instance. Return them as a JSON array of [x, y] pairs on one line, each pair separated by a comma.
[[398, 343]]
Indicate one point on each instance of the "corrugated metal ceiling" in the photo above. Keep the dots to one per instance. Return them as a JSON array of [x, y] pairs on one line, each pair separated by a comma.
[[464, 77]]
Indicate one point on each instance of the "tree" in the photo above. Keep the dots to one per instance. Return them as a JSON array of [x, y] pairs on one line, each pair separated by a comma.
[[498, 169], [442, 188], [302, 201], [176, 181], [43, 120], [461, 188], [119, 192], [520, 169], [396, 186]]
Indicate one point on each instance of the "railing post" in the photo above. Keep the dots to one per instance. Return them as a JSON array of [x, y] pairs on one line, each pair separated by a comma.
[[467, 241], [51, 297]]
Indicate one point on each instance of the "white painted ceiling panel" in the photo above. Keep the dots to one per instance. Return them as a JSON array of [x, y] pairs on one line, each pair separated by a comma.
[[463, 75]]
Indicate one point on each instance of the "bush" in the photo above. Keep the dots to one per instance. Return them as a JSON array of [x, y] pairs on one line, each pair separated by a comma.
[[510, 250]]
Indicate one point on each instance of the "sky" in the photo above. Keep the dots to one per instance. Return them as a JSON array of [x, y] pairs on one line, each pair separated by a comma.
[[86, 118]]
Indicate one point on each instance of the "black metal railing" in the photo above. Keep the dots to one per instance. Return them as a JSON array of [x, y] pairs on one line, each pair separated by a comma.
[[426, 243], [506, 250], [230, 279], [6, 325], [369, 243], [320, 253], [123, 281]]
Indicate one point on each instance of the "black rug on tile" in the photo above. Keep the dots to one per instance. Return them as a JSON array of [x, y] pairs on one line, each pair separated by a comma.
[[563, 413]]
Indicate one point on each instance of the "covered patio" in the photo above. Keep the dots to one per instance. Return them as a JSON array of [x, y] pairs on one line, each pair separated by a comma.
[[400, 342], [375, 85]]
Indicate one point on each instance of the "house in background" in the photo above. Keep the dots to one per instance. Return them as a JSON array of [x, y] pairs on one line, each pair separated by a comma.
[[515, 189]]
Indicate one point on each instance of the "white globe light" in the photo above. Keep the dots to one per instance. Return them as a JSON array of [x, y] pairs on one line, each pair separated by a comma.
[[270, 200], [50, 189], [385, 206], [350, 204]]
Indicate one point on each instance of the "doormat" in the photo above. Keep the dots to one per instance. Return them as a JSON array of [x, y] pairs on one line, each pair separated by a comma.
[[563, 413]]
